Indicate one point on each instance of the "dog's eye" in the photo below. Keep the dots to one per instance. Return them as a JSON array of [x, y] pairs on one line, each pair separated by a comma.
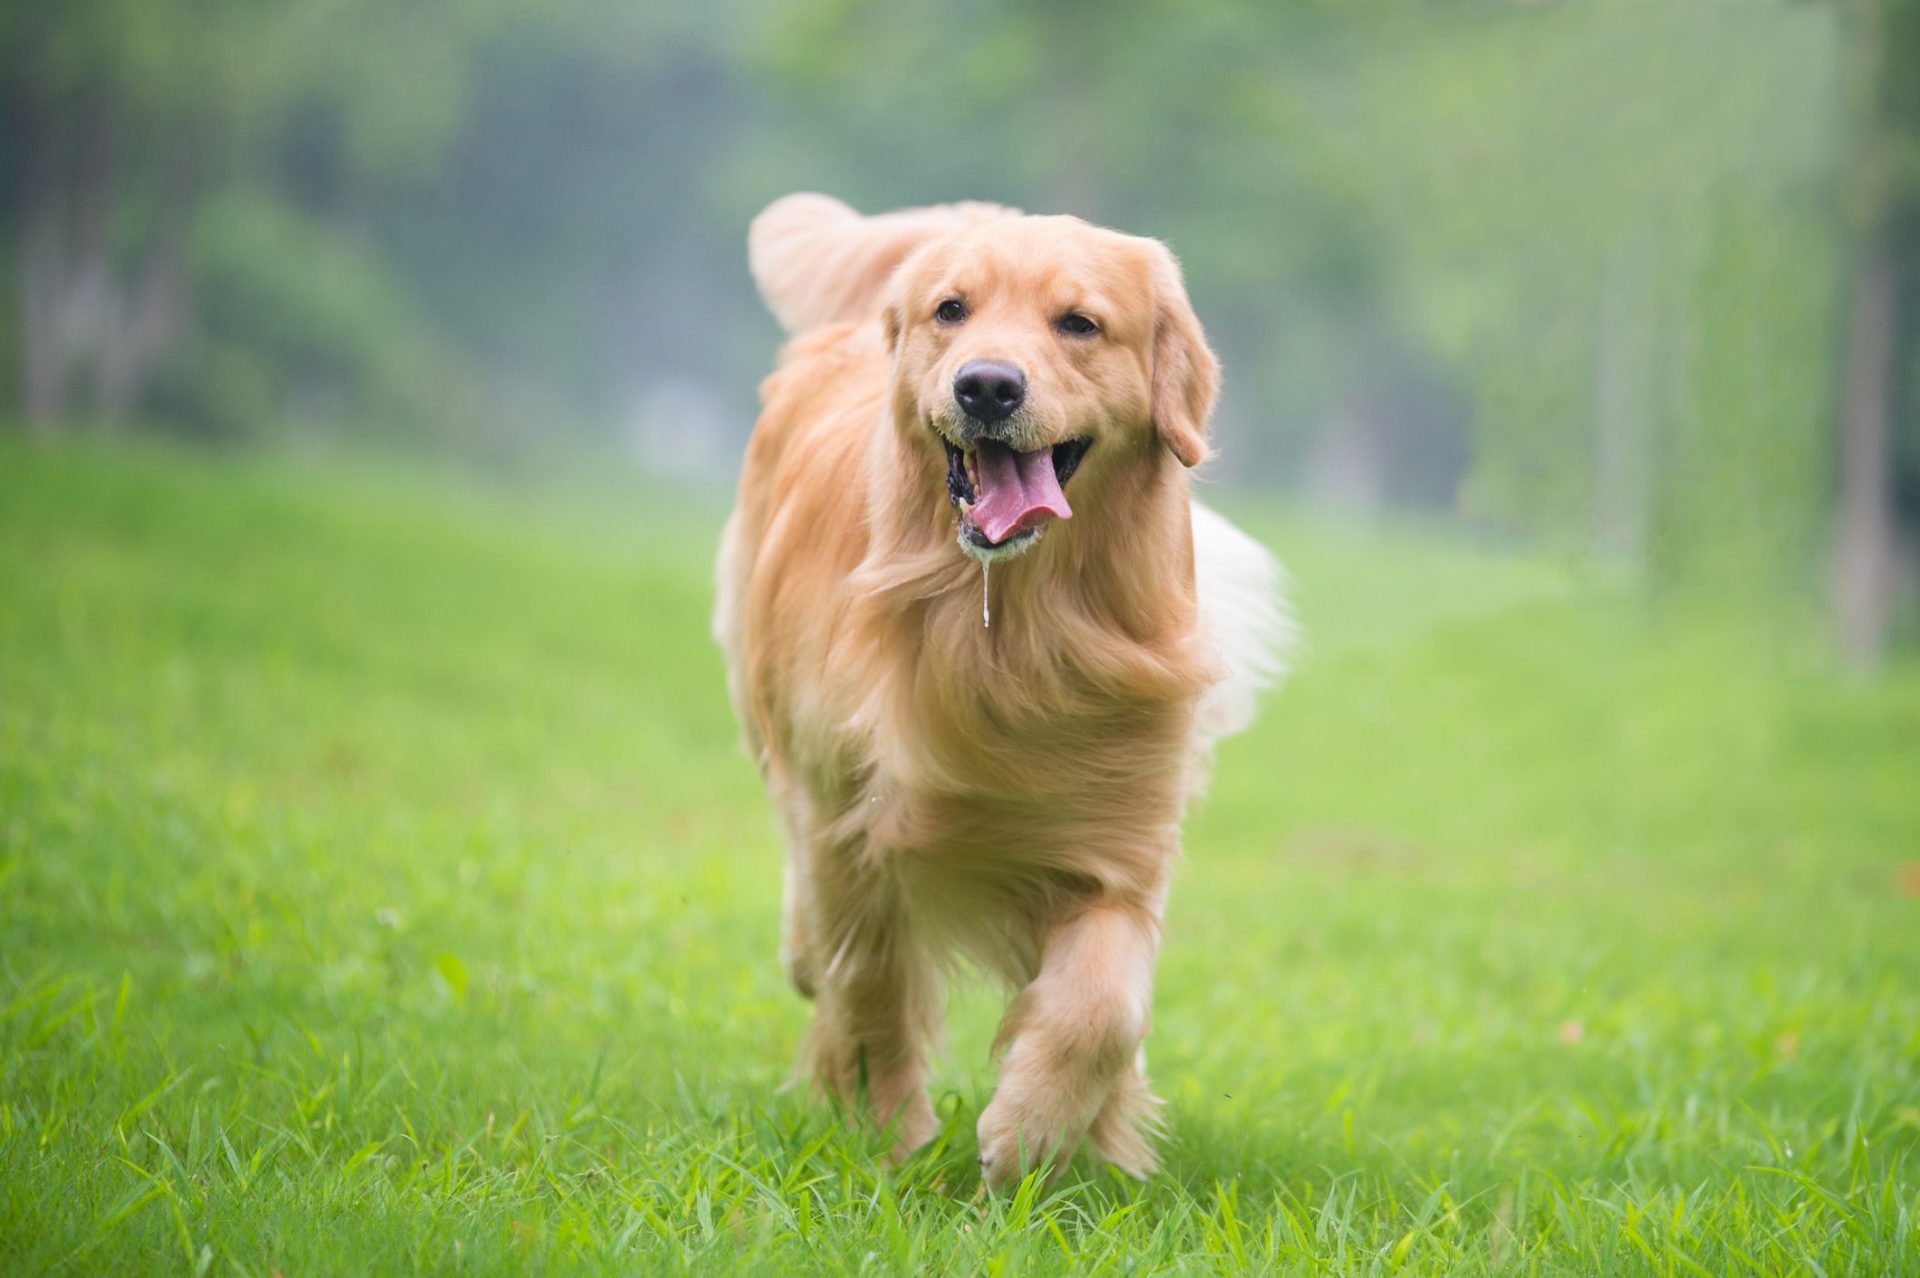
[[951, 311], [1074, 324]]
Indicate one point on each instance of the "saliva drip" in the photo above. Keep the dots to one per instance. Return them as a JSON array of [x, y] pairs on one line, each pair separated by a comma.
[[986, 596]]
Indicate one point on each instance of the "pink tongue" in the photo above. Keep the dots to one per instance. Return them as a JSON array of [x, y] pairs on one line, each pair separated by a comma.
[[1017, 491]]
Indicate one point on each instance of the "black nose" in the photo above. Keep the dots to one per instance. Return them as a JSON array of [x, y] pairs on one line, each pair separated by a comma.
[[989, 390]]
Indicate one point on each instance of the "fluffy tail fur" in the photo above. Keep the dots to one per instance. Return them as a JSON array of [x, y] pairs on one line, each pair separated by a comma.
[[816, 261], [1243, 609]]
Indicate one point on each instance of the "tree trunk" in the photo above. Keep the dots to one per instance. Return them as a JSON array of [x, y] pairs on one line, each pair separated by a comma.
[[34, 178], [97, 319], [1864, 556], [1884, 121], [150, 299], [43, 352]]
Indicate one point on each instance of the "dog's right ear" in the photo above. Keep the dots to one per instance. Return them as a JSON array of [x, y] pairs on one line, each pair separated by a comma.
[[817, 261]]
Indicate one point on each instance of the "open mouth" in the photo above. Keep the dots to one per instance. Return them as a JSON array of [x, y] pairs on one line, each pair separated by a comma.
[[1005, 496]]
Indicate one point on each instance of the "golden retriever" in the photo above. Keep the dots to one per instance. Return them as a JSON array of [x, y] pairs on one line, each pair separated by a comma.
[[980, 641]]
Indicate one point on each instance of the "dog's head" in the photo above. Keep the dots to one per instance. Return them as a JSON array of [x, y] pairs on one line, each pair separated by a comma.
[[1036, 353]]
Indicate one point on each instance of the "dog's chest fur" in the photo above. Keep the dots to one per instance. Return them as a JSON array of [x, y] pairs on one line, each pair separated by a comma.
[[1030, 770]]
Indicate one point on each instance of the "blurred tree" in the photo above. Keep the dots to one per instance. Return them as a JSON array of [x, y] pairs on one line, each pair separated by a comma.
[[126, 120], [110, 107], [1883, 208]]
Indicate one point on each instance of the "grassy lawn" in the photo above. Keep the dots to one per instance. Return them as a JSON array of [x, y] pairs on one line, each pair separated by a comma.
[[380, 889]]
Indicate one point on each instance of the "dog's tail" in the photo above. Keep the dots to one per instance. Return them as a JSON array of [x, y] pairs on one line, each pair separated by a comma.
[[1244, 613], [817, 261]]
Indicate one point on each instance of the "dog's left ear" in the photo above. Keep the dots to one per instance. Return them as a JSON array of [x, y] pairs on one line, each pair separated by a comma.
[[1186, 376]]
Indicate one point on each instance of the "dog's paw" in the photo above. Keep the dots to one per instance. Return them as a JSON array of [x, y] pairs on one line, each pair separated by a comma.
[[1015, 1141]]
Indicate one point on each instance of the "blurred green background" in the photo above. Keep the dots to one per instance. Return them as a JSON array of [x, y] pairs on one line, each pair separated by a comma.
[[1627, 278], [381, 888]]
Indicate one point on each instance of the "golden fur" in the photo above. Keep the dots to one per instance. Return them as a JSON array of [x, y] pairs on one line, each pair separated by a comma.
[[1007, 795]]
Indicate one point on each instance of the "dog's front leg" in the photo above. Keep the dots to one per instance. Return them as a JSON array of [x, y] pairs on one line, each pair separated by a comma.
[[1072, 1038], [877, 1011]]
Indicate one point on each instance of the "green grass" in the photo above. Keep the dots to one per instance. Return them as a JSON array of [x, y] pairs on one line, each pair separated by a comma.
[[380, 889]]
